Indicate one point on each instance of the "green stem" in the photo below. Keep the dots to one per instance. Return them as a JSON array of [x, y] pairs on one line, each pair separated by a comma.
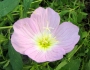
[[6, 27]]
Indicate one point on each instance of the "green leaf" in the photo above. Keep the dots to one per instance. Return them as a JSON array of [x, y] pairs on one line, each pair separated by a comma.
[[6, 64], [84, 34], [87, 65], [7, 6], [70, 54], [10, 17], [2, 38], [80, 16], [62, 13], [27, 67], [63, 63], [49, 68], [35, 4], [72, 65], [15, 58], [26, 4], [74, 16], [32, 68], [8, 67]]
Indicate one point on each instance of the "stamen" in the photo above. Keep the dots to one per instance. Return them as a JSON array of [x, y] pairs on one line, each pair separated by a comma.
[[45, 41], [47, 27]]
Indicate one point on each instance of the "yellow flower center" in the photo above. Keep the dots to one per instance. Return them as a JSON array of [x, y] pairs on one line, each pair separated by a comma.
[[45, 41]]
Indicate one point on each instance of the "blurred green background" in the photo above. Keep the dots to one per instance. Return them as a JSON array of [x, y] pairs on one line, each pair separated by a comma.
[[75, 11]]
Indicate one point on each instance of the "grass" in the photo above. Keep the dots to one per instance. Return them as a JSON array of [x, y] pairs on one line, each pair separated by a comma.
[[75, 11]]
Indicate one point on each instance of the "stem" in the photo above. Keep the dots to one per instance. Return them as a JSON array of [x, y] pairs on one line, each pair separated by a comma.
[[6, 27]]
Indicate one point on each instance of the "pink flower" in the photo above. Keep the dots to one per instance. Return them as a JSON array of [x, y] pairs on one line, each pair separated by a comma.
[[41, 38]]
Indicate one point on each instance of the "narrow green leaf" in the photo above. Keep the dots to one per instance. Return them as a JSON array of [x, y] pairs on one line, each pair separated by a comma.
[[84, 34], [74, 16], [35, 4], [26, 4], [27, 67], [88, 65], [72, 65], [6, 64], [2, 38], [10, 17], [81, 15], [8, 67], [15, 58], [62, 13], [72, 52], [63, 63], [7, 6]]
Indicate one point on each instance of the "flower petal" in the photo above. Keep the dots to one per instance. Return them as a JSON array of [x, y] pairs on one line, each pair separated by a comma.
[[39, 12], [26, 26], [67, 35], [41, 56], [55, 54], [24, 32], [39, 17], [21, 43], [35, 54], [46, 17], [53, 18], [27, 30]]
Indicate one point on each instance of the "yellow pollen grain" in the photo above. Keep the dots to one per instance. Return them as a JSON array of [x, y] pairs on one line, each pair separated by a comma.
[[46, 41]]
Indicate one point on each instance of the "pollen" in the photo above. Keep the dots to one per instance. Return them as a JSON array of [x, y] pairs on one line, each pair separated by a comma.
[[45, 41]]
